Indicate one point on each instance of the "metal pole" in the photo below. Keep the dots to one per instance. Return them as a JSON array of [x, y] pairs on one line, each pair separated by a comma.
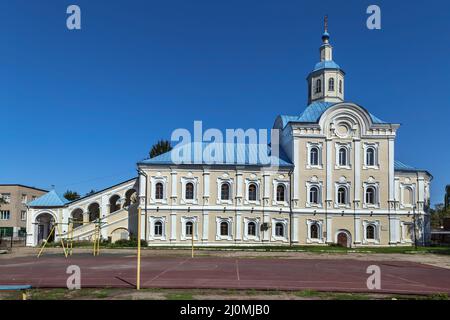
[[138, 271]]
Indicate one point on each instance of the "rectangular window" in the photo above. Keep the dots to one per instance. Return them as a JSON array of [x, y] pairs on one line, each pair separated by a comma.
[[24, 198], [5, 215], [23, 215], [6, 197]]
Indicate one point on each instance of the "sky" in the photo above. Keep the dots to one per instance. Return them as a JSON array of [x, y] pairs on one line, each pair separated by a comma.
[[79, 108]]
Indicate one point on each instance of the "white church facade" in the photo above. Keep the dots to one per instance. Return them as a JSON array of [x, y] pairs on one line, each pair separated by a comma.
[[337, 182]]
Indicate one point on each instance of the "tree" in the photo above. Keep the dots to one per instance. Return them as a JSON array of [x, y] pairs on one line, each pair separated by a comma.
[[162, 146], [438, 214], [71, 195]]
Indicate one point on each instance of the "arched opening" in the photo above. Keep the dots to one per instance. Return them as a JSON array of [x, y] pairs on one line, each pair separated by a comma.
[[251, 229], [252, 192], [280, 192], [224, 228], [318, 86], [130, 198], [158, 229], [314, 195], [342, 157], [189, 191], [45, 223], [225, 191], [343, 239], [77, 218], [314, 231], [370, 195], [370, 232], [159, 191], [370, 157], [314, 157], [279, 229], [189, 228], [331, 84], [94, 211], [408, 192], [342, 195], [114, 203]]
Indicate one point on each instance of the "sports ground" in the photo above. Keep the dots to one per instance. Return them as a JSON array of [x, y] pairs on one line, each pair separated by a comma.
[[118, 270]]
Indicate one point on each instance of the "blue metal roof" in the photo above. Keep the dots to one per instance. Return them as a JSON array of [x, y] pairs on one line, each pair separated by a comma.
[[314, 111], [227, 154], [50, 199], [326, 65]]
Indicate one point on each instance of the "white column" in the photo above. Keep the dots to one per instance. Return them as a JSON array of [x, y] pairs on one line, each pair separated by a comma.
[[357, 186], [238, 226], [330, 229], [294, 228], [329, 171], [174, 184], [266, 181], [205, 226], [297, 164], [239, 182], [357, 229], [141, 186], [206, 185], [391, 170], [173, 226]]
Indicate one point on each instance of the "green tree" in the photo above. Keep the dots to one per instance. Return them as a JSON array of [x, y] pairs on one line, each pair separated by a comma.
[[71, 195], [162, 146], [438, 214]]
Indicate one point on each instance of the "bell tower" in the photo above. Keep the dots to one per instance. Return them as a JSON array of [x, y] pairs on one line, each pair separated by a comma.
[[326, 81]]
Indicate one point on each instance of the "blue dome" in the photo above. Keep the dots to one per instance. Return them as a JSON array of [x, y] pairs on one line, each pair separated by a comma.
[[326, 35], [326, 65]]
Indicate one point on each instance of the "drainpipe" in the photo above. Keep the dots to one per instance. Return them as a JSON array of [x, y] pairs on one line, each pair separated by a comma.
[[290, 207], [146, 194]]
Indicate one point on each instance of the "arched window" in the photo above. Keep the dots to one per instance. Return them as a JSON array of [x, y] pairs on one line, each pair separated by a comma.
[[318, 86], [408, 196], [331, 84], [342, 195], [370, 232], [189, 228], [370, 157], [251, 229], [158, 228], [314, 195], [314, 156], [340, 86], [252, 192], [279, 229], [189, 191], [225, 191], [280, 192], [159, 191], [224, 228], [314, 231], [342, 156], [370, 195]]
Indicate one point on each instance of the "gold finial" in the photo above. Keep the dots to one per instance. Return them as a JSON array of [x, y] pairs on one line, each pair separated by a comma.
[[325, 22]]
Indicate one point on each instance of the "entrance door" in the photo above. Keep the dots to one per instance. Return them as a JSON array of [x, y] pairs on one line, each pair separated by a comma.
[[342, 239]]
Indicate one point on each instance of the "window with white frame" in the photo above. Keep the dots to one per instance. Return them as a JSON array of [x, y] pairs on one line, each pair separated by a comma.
[[252, 192], [223, 228], [23, 215], [189, 190], [331, 84], [314, 231], [371, 195], [370, 156], [318, 85], [281, 193], [5, 215], [157, 228], [189, 228], [371, 231], [159, 189], [314, 155], [279, 229], [342, 195], [251, 229], [342, 155]]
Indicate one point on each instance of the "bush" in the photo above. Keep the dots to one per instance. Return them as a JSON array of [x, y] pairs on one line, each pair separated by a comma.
[[128, 243]]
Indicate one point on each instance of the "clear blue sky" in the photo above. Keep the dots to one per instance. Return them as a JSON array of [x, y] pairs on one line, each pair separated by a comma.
[[79, 109]]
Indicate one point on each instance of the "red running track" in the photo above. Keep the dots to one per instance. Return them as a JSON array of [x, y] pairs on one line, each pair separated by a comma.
[[111, 270]]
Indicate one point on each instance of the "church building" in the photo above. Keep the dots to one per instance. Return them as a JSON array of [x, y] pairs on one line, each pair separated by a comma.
[[337, 182]]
